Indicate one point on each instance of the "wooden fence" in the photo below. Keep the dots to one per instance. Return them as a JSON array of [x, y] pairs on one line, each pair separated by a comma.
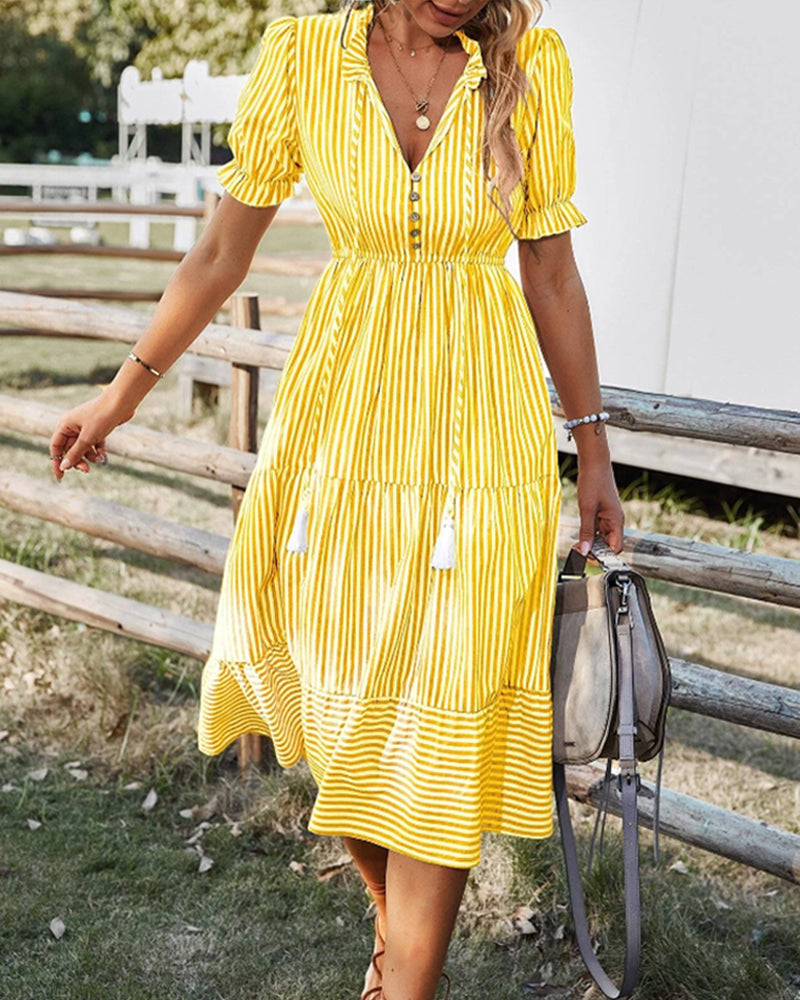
[[54, 212], [713, 693]]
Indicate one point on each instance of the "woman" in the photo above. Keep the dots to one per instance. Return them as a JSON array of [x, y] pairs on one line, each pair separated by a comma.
[[386, 604]]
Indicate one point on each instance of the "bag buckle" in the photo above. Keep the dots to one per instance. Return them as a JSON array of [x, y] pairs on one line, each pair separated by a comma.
[[623, 585], [628, 772]]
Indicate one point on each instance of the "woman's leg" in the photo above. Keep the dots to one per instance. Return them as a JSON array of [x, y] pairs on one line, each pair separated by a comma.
[[371, 860], [422, 904]]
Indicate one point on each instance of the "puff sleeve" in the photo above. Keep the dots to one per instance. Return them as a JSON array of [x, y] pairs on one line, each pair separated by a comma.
[[547, 140], [263, 137]]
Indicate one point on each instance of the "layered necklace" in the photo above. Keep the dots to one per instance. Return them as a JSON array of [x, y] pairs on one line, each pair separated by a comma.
[[421, 104], [402, 48]]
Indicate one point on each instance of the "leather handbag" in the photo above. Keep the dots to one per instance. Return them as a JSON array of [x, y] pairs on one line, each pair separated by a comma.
[[610, 682]]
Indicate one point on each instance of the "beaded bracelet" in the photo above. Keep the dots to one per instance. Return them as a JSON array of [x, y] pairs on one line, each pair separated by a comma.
[[590, 418], [138, 360]]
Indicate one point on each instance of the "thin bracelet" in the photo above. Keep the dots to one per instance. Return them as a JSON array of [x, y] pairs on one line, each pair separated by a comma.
[[590, 418], [138, 360]]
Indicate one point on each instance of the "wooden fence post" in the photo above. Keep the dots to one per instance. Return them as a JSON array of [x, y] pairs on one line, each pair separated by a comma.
[[244, 389], [253, 749]]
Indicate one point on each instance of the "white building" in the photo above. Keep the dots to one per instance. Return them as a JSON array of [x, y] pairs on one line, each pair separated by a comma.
[[687, 123]]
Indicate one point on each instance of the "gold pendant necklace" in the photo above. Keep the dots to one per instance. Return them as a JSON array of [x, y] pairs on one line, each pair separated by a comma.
[[422, 122]]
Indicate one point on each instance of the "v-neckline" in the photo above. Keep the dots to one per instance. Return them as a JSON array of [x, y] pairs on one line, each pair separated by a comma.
[[471, 74], [393, 128]]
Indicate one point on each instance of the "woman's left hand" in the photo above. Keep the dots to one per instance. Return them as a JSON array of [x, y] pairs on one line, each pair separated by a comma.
[[599, 504]]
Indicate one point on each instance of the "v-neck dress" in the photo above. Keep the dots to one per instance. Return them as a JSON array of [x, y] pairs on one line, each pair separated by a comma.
[[386, 604]]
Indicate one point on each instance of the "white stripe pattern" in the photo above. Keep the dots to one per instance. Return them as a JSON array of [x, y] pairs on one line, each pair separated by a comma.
[[414, 392]]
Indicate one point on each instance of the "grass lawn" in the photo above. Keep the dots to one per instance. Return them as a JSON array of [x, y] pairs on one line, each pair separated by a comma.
[[278, 914]]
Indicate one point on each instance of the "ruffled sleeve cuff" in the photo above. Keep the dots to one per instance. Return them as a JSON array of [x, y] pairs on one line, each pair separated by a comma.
[[556, 218], [257, 192]]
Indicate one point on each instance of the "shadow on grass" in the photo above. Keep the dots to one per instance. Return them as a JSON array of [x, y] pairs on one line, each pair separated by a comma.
[[703, 938], [756, 611], [772, 754], [164, 567], [189, 487], [42, 378]]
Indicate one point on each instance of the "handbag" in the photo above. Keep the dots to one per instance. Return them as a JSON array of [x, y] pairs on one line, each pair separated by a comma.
[[611, 683]]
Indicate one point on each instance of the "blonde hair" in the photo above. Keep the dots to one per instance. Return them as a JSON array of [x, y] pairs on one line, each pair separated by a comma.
[[497, 28]]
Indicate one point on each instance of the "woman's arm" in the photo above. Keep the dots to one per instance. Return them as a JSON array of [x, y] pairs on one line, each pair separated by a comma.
[[209, 273], [557, 300]]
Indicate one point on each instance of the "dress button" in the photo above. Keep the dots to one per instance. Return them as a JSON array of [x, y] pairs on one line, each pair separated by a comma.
[[414, 216], [416, 176], [414, 196], [414, 232], [416, 246]]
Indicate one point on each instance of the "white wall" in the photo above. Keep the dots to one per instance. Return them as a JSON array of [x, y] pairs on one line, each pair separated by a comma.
[[688, 139]]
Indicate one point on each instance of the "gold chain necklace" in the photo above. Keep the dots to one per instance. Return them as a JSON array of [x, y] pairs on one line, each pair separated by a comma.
[[423, 123], [402, 48]]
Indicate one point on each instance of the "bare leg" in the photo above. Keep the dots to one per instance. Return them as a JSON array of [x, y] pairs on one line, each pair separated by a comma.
[[371, 861], [422, 904]]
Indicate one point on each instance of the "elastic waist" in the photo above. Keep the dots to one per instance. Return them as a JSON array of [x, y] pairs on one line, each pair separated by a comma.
[[415, 257]]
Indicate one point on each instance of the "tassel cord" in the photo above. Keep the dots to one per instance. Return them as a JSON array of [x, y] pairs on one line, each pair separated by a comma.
[[444, 551]]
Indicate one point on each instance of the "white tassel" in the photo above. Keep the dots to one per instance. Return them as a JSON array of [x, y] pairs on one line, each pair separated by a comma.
[[444, 552], [298, 540]]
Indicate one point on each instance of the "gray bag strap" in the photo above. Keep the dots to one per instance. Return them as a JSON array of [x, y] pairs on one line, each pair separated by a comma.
[[606, 557], [628, 777]]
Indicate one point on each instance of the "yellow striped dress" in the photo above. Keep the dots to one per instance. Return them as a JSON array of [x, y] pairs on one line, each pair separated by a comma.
[[385, 609]]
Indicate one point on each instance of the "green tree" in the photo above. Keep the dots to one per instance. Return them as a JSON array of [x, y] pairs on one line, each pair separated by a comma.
[[62, 56], [164, 33], [46, 90]]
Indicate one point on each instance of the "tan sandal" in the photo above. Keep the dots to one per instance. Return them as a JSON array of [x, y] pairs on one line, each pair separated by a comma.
[[379, 938], [373, 967], [376, 993], [380, 944]]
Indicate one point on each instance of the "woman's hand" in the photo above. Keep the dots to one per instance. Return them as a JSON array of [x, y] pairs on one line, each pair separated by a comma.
[[599, 504], [209, 273], [80, 437]]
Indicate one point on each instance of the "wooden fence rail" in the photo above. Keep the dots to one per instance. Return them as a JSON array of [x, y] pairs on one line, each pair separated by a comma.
[[706, 419], [674, 560], [100, 609], [113, 522], [277, 306], [166, 451], [26, 207], [749, 841], [702, 565], [696, 688], [719, 694], [299, 265], [125, 326]]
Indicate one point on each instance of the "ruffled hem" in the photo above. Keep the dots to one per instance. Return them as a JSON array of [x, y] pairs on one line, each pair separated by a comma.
[[238, 698], [256, 192], [557, 218], [420, 699], [422, 781]]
